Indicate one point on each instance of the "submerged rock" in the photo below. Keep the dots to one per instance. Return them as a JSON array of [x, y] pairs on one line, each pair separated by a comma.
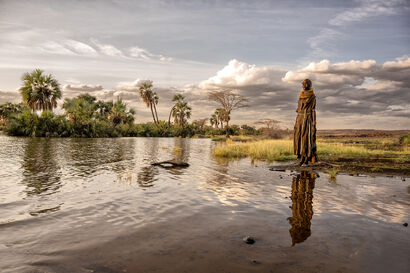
[[249, 240]]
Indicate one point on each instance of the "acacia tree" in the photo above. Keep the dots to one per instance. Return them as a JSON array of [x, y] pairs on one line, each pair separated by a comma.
[[269, 123], [229, 101], [200, 123], [39, 91], [150, 98]]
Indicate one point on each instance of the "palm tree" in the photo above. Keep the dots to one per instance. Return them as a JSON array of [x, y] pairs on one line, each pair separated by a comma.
[[103, 108], [181, 113], [79, 110], [177, 98], [119, 113], [39, 91], [212, 120], [219, 113], [155, 100], [150, 98]]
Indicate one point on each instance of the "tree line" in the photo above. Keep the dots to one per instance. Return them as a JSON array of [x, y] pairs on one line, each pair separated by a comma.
[[86, 116]]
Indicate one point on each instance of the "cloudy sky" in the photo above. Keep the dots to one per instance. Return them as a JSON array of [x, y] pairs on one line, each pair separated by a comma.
[[355, 52]]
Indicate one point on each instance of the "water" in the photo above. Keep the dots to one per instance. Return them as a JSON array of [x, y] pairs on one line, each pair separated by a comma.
[[97, 205]]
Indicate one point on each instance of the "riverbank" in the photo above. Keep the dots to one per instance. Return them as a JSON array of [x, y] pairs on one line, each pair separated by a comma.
[[361, 154]]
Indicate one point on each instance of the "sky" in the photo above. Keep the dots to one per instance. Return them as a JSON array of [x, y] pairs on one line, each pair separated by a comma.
[[357, 54]]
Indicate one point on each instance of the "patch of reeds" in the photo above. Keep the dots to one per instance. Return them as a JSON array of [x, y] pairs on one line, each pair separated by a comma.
[[281, 150]]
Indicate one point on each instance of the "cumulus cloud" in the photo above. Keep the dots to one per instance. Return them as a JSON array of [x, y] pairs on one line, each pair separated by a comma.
[[344, 90]]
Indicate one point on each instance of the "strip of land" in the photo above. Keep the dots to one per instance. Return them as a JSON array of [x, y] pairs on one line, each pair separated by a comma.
[[387, 154]]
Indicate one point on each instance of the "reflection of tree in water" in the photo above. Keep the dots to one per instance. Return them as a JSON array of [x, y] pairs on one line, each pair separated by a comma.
[[302, 207], [181, 153], [90, 155], [41, 169], [147, 176]]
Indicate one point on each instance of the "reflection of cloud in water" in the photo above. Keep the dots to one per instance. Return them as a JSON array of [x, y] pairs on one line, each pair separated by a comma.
[[227, 187]]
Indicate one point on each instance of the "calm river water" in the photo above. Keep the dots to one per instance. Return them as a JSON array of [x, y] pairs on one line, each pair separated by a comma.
[[97, 205]]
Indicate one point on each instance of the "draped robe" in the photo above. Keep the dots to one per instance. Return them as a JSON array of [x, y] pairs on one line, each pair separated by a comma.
[[304, 140]]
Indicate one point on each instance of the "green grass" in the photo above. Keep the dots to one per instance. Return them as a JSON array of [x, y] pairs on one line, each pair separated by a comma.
[[328, 151]]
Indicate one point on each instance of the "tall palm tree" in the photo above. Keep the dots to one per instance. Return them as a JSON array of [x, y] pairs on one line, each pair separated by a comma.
[[181, 113], [155, 100], [177, 98], [39, 91], [150, 98]]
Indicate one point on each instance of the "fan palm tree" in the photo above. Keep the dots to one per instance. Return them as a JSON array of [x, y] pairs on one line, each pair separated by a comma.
[[119, 113], [150, 98], [39, 91], [177, 98], [181, 113]]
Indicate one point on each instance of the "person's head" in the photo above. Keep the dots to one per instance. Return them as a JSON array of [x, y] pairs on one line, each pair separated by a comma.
[[307, 84]]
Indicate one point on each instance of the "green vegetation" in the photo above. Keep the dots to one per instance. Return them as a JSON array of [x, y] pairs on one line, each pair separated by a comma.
[[85, 116], [332, 173], [405, 140], [333, 153], [39, 91]]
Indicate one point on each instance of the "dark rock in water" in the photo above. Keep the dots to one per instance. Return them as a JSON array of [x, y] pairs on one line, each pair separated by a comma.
[[405, 224], [170, 164], [249, 240]]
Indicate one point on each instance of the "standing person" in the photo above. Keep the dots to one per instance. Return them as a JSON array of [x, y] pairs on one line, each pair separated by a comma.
[[304, 139]]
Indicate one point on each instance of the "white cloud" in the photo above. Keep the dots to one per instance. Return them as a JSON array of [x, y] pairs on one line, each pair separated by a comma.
[[367, 8], [237, 74], [67, 47], [55, 48], [80, 48], [132, 86], [82, 87], [323, 44], [138, 52], [401, 63], [107, 49]]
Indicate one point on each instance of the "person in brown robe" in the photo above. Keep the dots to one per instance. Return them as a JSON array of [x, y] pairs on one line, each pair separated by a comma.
[[304, 139]]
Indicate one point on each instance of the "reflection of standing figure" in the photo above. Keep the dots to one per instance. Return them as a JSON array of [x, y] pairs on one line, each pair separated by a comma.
[[302, 208]]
